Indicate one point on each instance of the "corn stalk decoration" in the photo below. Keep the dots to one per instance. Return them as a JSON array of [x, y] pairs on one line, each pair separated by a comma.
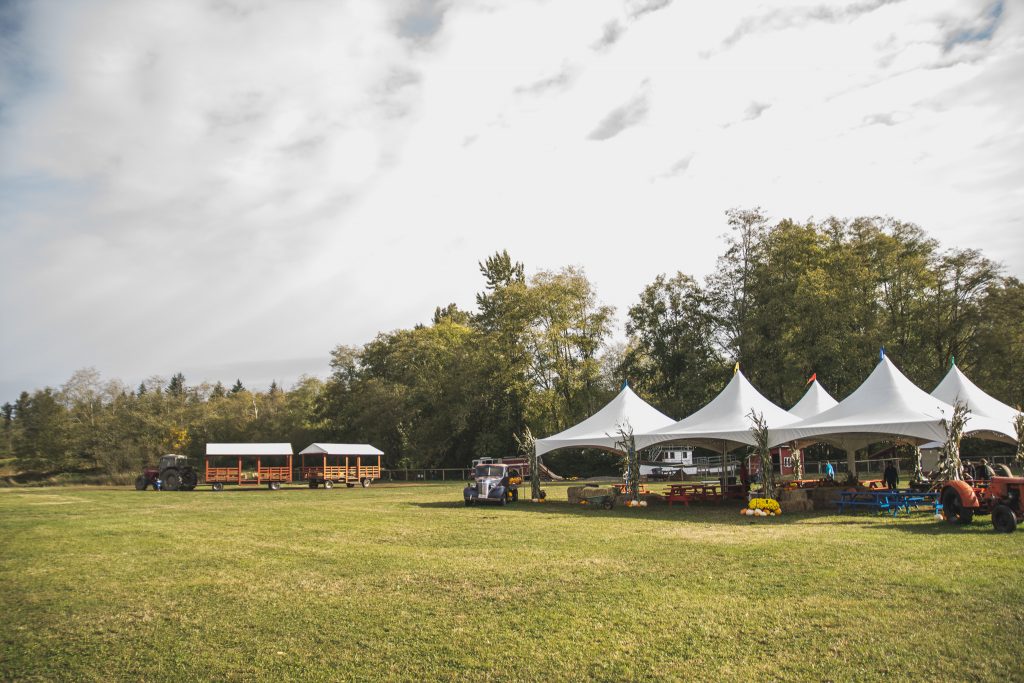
[[918, 469], [798, 461], [950, 467], [760, 434], [527, 445], [631, 463], [1018, 426]]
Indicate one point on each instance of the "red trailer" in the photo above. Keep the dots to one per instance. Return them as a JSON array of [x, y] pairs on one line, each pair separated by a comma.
[[340, 463], [248, 464]]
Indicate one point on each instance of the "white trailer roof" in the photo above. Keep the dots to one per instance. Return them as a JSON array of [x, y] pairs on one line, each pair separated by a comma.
[[340, 449], [248, 449]]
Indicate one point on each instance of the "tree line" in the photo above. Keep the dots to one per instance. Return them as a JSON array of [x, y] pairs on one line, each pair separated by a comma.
[[786, 299]]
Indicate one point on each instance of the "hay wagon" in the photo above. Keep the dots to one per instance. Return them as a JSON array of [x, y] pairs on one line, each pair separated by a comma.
[[327, 464], [248, 464]]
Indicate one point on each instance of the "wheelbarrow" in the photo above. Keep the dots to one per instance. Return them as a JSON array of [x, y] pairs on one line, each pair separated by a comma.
[[604, 500]]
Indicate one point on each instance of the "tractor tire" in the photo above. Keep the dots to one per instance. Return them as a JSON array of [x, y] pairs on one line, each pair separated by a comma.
[[1003, 520], [328, 484], [953, 508], [1002, 470], [141, 483], [172, 480], [189, 479], [365, 482], [218, 486]]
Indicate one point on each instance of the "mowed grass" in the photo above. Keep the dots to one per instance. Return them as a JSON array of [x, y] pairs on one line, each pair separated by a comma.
[[405, 583]]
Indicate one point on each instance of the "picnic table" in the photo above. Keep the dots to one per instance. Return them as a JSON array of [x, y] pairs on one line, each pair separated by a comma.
[[707, 491], [624, 488], [885, 500]]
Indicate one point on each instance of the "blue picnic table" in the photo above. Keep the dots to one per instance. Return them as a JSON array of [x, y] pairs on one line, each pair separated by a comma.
[[886, 500]]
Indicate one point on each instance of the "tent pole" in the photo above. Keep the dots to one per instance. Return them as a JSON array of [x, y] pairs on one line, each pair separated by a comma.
[[725, 476]]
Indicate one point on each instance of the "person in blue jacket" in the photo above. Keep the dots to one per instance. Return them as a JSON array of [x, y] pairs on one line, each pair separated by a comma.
[[830, 472]]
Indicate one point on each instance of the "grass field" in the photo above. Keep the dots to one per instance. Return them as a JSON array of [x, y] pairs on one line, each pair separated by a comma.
[[404, 583]]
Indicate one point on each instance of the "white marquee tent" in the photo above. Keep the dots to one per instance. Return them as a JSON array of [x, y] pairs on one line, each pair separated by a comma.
[[886, 406], [601, 430], [955, 386], [725, 422], [815, 400]]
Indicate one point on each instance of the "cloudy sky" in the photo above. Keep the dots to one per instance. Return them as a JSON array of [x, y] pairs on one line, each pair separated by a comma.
[[231, 188]]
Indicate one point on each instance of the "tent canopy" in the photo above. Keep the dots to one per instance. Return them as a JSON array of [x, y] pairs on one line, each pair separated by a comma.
[[600, 430], [250, 449], [815, 400], [340, 449], [955, 386], [885, 406], [724, 422]]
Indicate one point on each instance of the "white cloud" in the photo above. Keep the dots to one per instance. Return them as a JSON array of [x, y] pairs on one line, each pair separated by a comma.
[[195, 184]]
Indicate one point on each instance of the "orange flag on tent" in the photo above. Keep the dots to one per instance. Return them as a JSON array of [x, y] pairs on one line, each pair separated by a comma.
[[813, 377]]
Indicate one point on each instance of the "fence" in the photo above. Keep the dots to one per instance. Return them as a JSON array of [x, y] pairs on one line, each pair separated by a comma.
[[446, 474]]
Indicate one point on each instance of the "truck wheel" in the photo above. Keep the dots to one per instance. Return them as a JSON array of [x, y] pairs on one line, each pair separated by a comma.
[[218, 486], [328, 484], [365, 482], [1003, 520], [274, 486], [141, 483], [503, 500], [172, 480], [954, 509]]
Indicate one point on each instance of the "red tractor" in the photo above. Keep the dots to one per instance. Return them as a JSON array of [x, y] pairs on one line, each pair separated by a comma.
[[999, 496], [174, 474]]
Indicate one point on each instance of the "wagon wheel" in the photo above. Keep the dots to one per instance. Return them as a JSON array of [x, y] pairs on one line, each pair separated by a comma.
[[608, 504], [141, 483], [218, 486], [328, 484], [365, 482], [1003, 519]]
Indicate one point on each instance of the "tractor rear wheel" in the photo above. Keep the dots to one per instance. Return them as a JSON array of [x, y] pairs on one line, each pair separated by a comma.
[[328, 484], [1003, 519], [954, 509], [141, 483], [1002, 470], [172, 480], [189, 479]]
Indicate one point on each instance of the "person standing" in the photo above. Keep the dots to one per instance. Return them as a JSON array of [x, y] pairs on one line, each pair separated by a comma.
[[891, 476], [830, 472]]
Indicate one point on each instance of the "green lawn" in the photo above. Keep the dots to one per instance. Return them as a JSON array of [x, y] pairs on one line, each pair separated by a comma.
[[403, 582]]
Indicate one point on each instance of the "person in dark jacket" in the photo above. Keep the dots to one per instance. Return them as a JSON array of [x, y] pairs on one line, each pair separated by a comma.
[[891, 476]]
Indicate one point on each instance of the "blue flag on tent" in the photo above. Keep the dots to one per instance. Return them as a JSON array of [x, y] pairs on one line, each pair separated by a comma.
[[881, 354]]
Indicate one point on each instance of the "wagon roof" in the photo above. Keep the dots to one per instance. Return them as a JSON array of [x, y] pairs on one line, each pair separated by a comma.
[[341, 449], [249, 449]]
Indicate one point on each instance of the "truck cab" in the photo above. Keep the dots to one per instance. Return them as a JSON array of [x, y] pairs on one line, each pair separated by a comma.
[[493, 483]]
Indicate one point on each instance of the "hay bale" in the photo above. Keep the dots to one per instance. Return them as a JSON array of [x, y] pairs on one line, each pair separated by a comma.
[[825, 498], [797, 505], [578, 493]]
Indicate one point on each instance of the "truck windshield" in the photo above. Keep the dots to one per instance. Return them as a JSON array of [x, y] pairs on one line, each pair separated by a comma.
[[489, 471]]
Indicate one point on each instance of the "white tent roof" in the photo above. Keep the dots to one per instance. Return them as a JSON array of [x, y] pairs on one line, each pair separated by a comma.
[[248, 449], [815, 400], [341, 449], [955, 386], [600, 430], [884, 406], [724, 421]]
